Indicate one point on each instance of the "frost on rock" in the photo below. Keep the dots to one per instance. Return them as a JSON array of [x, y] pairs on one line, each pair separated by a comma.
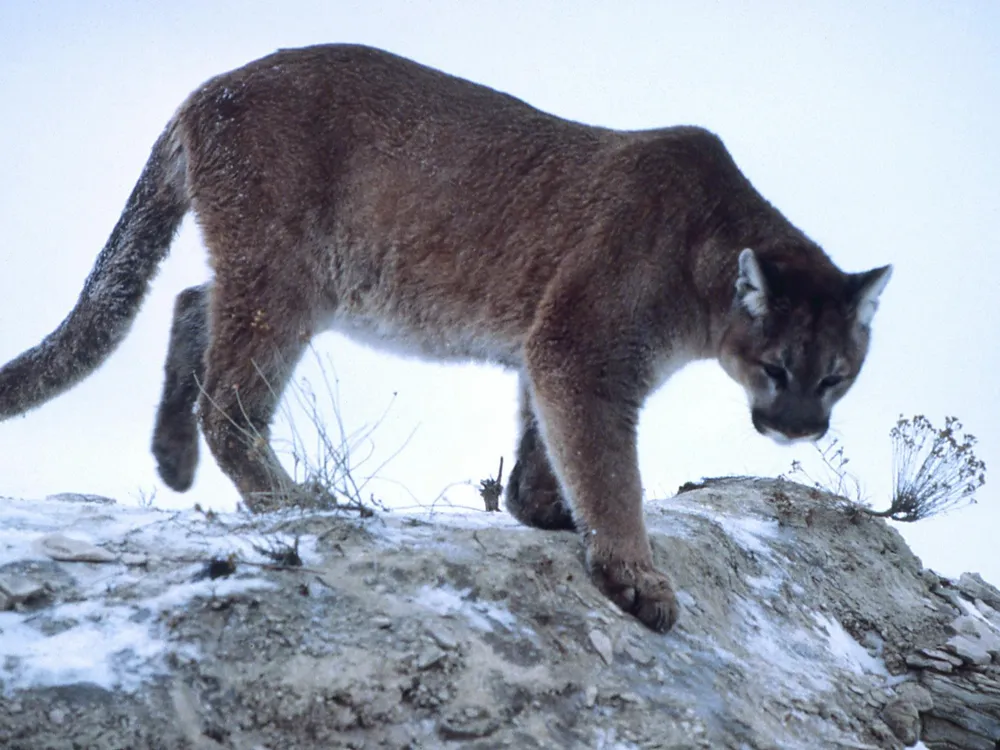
[[802, 626], [79, 605]]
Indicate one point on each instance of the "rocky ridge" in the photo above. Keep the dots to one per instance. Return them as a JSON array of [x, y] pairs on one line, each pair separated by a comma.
[[804, 625]]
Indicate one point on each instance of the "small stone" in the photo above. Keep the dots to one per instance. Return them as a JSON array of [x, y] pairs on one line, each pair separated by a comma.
[[875, 699], [980, 631], [903, 719], [939, 655], [468, 725], [916, 694], [132, 559], [991, 615], [444, 639], [949, 595], [930, 577], [15, 590], [973, 586], [381, 622], [922, 662], [639, 655], [966, 625], [78, 497], [57, 716], [633, 698], [590, 696], [882, 733], [985, 609], [686, 658], [602, 645], [969, 650], [429, 658], [67, 549]]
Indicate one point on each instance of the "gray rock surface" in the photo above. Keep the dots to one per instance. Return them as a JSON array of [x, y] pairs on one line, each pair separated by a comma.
[[804, 625], [66, 549]]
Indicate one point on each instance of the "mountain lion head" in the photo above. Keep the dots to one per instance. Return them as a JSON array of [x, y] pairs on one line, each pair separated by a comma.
[[797, 339]]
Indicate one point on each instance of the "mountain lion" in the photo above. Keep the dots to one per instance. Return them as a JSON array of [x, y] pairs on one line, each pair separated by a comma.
[[342, 187]]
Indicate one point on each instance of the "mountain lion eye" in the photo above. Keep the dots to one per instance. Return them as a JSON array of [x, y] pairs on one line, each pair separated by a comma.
[[777, 373], [830, 381]]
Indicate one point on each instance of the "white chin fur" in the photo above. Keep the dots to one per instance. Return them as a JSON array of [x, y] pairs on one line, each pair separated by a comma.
[[782, 439]]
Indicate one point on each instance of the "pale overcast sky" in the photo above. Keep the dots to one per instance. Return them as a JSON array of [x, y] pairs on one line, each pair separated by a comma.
[[872, 126]]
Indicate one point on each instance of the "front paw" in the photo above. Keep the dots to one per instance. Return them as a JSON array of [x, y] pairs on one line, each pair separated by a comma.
[[637, 587]]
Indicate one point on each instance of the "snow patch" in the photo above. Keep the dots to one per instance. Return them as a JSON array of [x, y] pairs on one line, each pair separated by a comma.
[[752, 534], [791, 654], [447, 602], [113, 646], [769, 584], [118, 641], [847, 650]]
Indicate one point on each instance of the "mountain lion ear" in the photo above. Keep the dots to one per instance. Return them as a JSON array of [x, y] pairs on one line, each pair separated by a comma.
[[751, 288], [867, 288]]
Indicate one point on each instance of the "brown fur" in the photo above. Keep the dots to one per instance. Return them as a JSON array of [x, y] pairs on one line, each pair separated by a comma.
[[343, 187]]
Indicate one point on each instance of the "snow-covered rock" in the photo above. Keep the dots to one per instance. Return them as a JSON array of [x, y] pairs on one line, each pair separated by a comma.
[[803, 625]]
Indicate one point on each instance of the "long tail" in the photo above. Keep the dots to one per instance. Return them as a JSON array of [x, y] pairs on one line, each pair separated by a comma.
[[114, 290]]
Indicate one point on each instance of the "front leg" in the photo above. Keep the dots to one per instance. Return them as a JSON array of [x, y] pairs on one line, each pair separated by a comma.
[[587, 394]]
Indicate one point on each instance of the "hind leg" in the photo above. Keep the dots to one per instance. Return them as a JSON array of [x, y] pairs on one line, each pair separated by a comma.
[[175, 436], [258, 335], [533, 495]]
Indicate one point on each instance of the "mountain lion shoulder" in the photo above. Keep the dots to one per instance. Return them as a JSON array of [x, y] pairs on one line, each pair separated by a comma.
[[342, 187]]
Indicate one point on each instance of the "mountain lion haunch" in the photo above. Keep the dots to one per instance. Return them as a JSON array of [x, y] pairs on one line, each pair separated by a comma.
[[342, 187]]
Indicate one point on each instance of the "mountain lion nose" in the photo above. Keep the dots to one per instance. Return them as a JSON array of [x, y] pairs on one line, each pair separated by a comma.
[[785, 433]]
